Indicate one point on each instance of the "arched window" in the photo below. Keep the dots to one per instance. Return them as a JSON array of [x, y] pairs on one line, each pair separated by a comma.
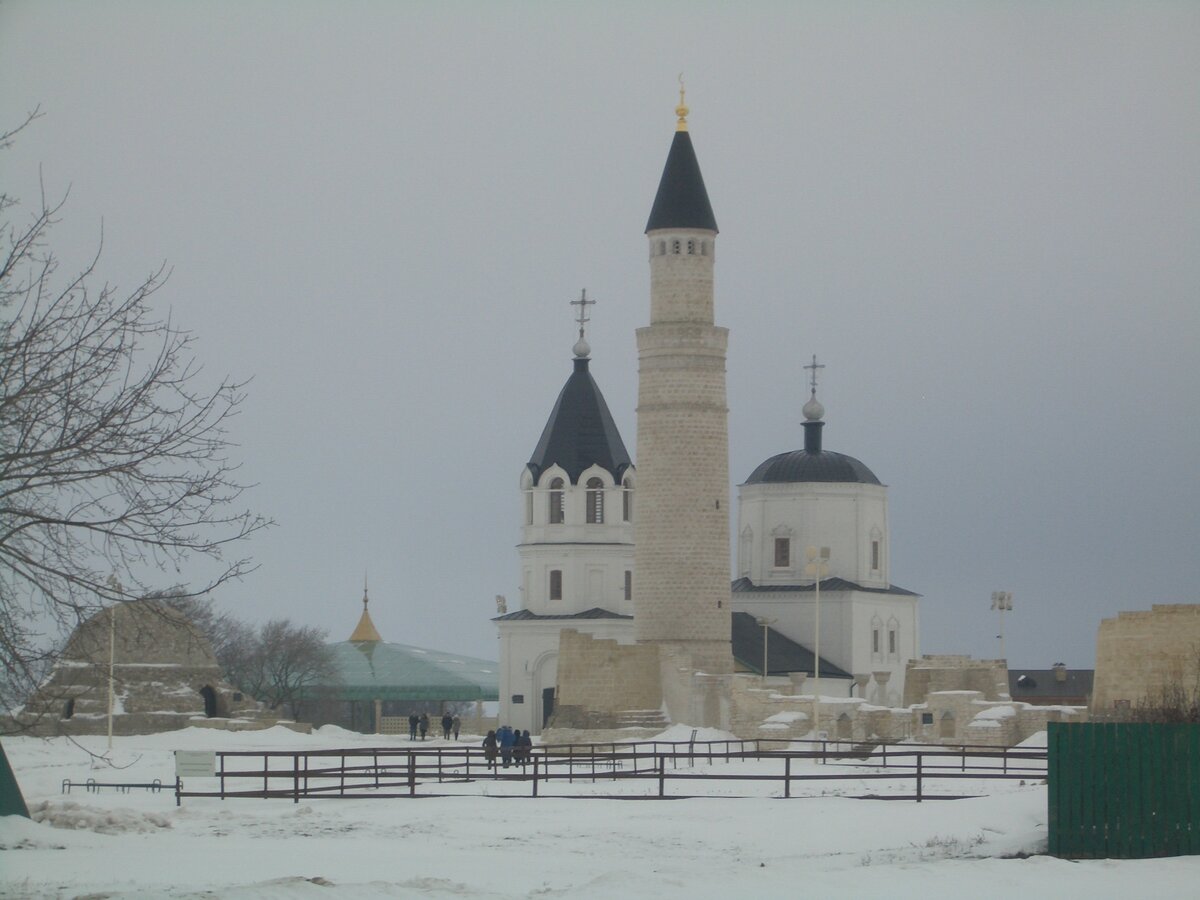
[[691, 248], [595, 501], [556, 502], [627, 501], [662, 248], [528, 507], [676, 247]]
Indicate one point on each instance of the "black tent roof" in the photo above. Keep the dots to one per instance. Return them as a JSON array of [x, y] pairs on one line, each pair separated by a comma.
[[580, 432]]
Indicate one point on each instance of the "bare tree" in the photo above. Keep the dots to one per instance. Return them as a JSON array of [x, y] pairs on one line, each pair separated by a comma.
[[279, 664], [114, 455]]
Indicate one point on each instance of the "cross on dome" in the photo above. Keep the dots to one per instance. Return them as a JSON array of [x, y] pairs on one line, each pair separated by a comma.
[[813, 410], [582, 348]]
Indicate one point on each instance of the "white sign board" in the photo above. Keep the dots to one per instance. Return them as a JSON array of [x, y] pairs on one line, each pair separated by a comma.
[[195, 763]]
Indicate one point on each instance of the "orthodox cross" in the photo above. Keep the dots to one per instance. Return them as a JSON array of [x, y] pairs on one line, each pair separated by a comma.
[[813, 379], [583, 303]]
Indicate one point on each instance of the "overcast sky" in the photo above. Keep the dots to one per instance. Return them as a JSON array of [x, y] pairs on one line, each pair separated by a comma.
[[983, 218]]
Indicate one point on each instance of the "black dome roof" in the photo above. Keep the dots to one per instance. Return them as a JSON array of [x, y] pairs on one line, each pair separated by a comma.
[[803, 465]]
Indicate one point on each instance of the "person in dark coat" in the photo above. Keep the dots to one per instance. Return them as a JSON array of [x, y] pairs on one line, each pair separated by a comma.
[[413, 719], [424, 724], [489, 749], [447, 721], [524, 747], [456, 723]]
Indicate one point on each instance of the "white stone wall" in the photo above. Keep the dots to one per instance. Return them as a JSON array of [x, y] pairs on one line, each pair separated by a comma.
[[844, 517], [593, 557], [529, 653]]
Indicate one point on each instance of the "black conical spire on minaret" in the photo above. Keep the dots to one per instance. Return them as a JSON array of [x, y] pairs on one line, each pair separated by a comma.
[[681, 201]]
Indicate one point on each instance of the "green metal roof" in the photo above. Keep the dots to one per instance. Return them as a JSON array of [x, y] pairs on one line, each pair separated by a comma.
[[377, 670]]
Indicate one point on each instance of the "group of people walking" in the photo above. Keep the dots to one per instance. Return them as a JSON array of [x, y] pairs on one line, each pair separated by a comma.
[[450, 724], [511, 744]]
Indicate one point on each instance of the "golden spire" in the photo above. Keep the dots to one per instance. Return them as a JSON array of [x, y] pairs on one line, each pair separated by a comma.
[[365, 631], [681, 110]]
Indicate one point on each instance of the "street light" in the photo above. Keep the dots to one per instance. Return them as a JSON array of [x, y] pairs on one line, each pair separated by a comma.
[[1002, 601], [818, 568], [765, 623]]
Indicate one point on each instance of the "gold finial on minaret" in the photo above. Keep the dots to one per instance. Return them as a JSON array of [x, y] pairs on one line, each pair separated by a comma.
[[681, 110]]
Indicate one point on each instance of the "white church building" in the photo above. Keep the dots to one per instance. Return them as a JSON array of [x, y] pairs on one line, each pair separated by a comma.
[[815, 514], [576, 549], [577, 534]]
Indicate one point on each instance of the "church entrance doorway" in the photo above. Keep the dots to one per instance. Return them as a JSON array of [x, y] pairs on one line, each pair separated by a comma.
[[547, 704]]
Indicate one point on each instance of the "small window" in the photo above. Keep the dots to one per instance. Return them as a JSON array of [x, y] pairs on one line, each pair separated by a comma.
[[556, 584], [556, 501], [628, 585], [662, 248], [691, 248], [875, 640], [926, 718], [783, 552], [676, 247], [704, 248], [518, 698], [69, 706], [529, 507], [892, 642], [627, 503], [595, 501], [875, 556]]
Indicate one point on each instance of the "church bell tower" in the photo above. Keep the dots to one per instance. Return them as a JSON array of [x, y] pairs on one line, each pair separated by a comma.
[[681, 556]]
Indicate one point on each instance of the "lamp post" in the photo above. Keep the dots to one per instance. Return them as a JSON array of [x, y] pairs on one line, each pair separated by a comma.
[[818, 567], [1002, 602], [765, 623]]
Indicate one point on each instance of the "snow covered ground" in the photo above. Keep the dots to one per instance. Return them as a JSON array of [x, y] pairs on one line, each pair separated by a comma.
[[494, 841]]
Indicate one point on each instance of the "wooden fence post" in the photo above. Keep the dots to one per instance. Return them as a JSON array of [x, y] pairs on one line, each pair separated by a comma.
[[919, 757], [787, 777], [662, 774], [295, 777]]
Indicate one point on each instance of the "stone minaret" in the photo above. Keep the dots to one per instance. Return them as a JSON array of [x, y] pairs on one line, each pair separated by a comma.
[[681, 557]]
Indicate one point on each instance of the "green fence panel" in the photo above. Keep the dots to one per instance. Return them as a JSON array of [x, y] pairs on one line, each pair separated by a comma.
[[11, 801], [1123, 790]]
